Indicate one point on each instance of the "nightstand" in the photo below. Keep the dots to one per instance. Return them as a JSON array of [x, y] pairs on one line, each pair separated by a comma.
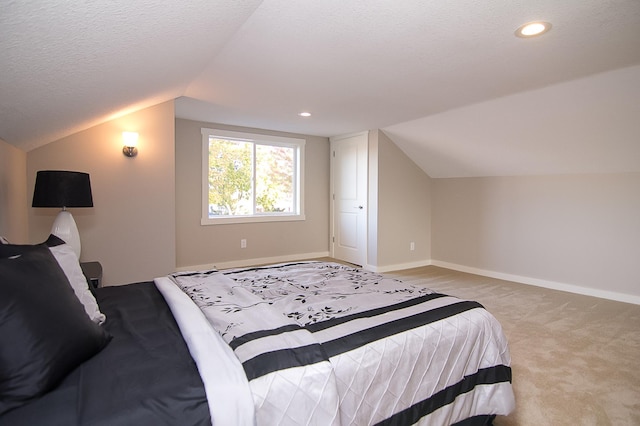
[[93, 272]]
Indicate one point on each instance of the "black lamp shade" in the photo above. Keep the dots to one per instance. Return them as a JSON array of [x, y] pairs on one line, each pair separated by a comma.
[[60, 188]]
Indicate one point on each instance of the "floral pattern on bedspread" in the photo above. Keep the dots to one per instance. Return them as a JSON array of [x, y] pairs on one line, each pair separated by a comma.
[[306, 292]]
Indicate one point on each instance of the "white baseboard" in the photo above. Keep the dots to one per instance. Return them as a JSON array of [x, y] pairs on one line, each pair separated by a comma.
[[397, 267], [251, 262], [553, 285]]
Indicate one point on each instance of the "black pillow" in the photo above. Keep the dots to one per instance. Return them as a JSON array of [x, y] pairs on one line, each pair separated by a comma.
[[8, 250], [71, 268], [44, 329]]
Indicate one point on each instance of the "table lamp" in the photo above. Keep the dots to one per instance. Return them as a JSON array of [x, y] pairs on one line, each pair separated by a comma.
[[61, 188]]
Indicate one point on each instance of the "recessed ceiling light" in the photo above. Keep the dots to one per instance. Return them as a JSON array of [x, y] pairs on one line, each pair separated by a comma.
[[533, 29], [305, 114]]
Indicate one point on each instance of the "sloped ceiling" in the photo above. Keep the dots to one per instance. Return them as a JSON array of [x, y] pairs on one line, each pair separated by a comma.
[[447, 81]]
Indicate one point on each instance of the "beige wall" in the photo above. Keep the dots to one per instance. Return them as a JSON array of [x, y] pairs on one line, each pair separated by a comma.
[[403, 207], [373, 222], [574, 230], [131, 228], [219, 245], [13, 193]]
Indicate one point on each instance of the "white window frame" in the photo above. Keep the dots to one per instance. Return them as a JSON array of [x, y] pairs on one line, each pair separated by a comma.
[[257, 139]]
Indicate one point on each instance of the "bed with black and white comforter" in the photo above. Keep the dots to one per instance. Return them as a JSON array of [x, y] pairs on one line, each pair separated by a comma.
[[327, 344]]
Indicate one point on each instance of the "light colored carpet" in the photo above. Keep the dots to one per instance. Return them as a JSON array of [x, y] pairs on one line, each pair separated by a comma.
[[575, 359]]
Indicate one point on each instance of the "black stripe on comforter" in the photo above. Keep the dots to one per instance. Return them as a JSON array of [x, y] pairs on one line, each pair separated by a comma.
[[237, 342], [361, 338], [484, 376], [314, 327], [271, 361]]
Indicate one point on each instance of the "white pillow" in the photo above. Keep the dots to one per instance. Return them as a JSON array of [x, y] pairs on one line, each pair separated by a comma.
[[68, 261]]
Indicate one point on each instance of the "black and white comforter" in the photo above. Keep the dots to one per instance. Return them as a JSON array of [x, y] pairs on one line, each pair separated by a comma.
[[324, 343]]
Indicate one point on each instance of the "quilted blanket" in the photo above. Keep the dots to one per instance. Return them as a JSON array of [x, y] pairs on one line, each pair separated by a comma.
[[328, 344]]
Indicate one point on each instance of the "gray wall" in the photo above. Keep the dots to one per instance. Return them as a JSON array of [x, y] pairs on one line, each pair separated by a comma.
[[578, 230], [13, 193], [131, 228], [404, 208], [219, 245]]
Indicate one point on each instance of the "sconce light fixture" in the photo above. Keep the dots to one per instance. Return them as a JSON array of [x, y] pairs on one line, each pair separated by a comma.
[[130, 144]]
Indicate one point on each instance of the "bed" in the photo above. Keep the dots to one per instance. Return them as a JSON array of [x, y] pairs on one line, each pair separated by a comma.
[[294, 343]]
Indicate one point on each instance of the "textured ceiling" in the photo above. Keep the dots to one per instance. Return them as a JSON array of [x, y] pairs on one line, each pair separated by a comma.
[[447, 81]]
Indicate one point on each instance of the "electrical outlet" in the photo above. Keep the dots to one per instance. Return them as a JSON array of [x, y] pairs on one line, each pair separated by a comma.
[[412, 246], [243, 243]]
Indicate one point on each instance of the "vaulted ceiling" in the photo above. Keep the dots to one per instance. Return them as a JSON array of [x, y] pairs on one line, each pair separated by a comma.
[[448, 82]]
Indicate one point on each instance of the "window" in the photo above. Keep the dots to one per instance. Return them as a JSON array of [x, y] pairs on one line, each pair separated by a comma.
[[251, 178]]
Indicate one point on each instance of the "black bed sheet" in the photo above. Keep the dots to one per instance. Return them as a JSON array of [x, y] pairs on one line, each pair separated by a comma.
[[145, 375]]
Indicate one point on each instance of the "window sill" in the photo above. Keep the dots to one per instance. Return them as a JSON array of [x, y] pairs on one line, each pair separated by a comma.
[[251, 219]]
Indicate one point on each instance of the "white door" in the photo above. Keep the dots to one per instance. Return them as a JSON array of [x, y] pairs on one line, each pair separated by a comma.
[[349, 165]]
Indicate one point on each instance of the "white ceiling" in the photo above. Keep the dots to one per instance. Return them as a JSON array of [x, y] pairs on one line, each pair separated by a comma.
[[447, 81]]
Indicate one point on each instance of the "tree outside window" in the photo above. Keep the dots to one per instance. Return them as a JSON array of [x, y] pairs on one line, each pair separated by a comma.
[[248, 176]]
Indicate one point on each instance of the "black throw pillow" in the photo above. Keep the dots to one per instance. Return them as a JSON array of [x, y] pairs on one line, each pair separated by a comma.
[[45, 332], [8, 250], [68, 261]]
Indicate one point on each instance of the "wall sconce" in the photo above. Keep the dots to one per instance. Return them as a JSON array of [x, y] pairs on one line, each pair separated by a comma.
[[130, 144]]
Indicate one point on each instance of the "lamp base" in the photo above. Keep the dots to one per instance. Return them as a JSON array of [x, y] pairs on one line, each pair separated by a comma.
[[65, 228]]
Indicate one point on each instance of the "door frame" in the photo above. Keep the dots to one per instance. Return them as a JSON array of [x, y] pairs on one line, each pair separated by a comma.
[[333, 140]]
